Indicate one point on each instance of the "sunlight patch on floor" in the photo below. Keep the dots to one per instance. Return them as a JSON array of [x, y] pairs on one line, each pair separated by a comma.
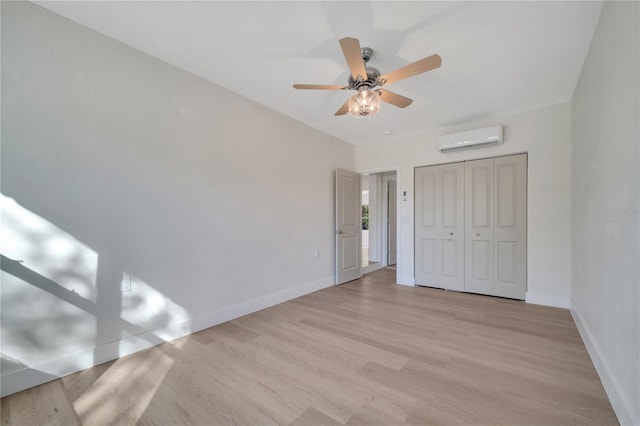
[[139, 374]]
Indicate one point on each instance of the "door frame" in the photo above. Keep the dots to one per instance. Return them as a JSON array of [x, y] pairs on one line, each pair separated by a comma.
[[384, 220], [383, 214]]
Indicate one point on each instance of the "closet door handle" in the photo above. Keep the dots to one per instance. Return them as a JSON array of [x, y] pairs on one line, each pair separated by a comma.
[[450, 233], [477, 234]]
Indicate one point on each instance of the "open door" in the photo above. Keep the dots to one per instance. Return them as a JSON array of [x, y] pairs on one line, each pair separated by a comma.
[[348, 227]]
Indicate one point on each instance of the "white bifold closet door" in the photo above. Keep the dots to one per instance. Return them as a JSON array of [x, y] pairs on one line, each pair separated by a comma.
[[470, 226], [496, 226], [439, 232]]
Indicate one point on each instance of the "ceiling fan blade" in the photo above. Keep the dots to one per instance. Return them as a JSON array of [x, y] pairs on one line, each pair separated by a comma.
[[319, 86], [423, 65], [351, 49], [343, 109], [394, 99]]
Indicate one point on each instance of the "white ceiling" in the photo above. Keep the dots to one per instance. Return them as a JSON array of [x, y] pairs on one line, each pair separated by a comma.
[[497, 57]]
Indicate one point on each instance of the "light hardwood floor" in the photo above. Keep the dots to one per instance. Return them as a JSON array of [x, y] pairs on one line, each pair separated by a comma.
[[367, 352]]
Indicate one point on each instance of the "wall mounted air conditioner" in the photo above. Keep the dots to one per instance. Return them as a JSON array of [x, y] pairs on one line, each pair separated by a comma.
[[471, 138]]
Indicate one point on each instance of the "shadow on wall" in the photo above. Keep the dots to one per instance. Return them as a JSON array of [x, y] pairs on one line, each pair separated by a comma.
[[10, 364], [63, 307]]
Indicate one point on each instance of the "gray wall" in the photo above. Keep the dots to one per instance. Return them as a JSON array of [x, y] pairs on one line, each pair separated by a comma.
[[605, 210], [116, 163]]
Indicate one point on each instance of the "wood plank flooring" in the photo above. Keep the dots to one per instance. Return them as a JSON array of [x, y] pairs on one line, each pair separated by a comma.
[[368, 352]]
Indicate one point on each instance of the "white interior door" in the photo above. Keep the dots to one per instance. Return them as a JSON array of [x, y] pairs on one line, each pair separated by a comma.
[[348, 226], [439, 226], [392, 226]]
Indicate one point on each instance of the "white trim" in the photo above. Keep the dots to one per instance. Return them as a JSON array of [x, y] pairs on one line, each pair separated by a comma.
[[380, 171], [406, 280], [26, 378], [244, 308], [384, 223], [619, 400], [547, 300], [35, 375]]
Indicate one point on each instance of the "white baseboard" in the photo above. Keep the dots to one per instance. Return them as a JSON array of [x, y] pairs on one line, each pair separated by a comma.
[[547, 300], [35, 375], [227, 314], [406, 280], [31, 376], [618, 398]]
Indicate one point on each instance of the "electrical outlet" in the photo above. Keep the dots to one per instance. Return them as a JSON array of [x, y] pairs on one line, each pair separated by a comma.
[[125, 285]]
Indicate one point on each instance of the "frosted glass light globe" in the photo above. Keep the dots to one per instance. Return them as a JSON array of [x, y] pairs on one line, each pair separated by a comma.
[[364, 103]]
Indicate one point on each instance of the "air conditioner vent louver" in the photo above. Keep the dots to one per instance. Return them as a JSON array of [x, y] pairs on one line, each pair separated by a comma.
[[472, 138]]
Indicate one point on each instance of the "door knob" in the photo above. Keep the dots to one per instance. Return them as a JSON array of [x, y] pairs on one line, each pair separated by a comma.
[[477, 234], [450, 233], [339, 231]]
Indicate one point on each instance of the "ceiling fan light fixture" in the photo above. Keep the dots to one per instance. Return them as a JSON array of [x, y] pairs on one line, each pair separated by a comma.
[[364, 103], [368, 81]]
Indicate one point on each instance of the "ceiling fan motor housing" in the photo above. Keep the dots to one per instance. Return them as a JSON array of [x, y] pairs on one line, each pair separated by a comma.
[[371, 81], [372, 73]]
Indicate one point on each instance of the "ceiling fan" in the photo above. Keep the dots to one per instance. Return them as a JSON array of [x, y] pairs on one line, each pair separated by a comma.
[[367, 81]]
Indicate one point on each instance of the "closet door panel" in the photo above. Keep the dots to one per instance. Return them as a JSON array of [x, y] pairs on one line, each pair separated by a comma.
[[480, 201], [510, 226], [451, 226], [428, 264], [479, 226], [448, 259], [426, 227], [448, 197], [439, 228], [480, 266]]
